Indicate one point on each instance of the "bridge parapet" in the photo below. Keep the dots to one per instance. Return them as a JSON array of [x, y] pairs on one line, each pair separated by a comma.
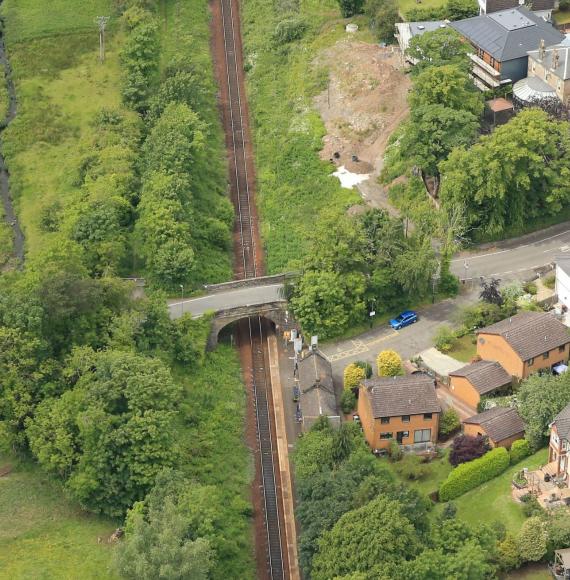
[[250, 282]]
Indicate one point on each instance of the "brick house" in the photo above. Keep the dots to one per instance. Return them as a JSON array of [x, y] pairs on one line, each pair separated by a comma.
[[471, 382], [559, 446], [404, 409], [501, 425], [525, 343]]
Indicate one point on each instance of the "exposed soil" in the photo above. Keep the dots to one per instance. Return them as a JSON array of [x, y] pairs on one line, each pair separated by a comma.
[[364, 103], [9, 213]]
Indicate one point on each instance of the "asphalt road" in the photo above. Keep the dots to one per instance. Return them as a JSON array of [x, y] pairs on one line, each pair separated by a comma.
[[229, 299], [514, 258]]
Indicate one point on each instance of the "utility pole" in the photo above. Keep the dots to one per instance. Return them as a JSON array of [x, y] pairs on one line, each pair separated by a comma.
[[101, 22], [181, 299]]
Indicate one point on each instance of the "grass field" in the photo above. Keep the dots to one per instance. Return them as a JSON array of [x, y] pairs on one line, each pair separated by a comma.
[[561, 16], [464, 349], [294, 185], [405, 5], [43, 535], [492, 500]]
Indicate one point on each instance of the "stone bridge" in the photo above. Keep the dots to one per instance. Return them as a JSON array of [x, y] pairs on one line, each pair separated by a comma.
[[232, 301]]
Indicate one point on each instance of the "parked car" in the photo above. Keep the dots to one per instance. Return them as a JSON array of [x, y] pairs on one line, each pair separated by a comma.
[[296, 393], [404, 319]]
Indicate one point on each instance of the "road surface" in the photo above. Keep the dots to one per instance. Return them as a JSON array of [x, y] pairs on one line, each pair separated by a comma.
[[228, 299]]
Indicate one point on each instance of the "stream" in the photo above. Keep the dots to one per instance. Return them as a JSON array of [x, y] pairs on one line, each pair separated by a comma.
[[10, 215]]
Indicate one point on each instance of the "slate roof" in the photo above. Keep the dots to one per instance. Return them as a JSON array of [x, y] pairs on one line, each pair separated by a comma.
[[563, 262], [530, 333], [562, 71], [562, 421], [313, 368], [499, 422], [508, 34], [409, 395], [486, 376]]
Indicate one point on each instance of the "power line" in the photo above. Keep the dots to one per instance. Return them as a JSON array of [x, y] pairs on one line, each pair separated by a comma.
[[101, 22]]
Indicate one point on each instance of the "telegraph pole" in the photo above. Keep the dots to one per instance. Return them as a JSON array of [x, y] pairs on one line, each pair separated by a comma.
[[101, 22]]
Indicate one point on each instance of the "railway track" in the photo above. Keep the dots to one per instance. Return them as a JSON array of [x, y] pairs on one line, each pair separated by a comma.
[[247, 266]]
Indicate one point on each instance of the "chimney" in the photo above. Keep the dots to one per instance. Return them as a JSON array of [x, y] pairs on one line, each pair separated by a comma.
[[541, 49], [555, 59]]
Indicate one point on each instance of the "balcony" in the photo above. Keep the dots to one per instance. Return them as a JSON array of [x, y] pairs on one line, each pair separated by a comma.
[[485, 73]]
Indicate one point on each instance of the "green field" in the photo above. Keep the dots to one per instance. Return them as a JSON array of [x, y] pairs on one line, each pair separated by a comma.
[[294, 185], [464, 350], [405, 5], [44, 535]]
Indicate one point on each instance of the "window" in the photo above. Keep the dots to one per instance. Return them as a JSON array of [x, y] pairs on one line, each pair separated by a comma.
[[545, 355], [401, 435], [385, 435], [562, 348], [492, 62], [422, 435], [530, 362], [384, 420], [405, 418], [427, 416]]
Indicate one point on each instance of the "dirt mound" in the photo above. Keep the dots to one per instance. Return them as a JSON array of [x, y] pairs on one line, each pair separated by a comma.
[[365, 101]]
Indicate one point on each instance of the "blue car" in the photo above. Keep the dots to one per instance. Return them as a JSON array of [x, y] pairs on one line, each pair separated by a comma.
[[406, 318]]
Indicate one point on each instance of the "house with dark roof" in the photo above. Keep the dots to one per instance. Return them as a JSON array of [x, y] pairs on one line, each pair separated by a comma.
[[501, 425], [548, 75], [471, 382], [404, 409], [542, 8], [559, 446], [525, 343], [501, 41], [317, 396]]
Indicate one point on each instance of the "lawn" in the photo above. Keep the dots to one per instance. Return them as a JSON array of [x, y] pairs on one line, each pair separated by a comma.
[[44, 535], [294, 187], [464, 349], [561, 16], [405, 5], [492, 500]]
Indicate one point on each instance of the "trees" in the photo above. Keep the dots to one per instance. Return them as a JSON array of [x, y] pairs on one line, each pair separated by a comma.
[[367, 540], [490, 292], [389, 363], [466, 448], [353, 375], [460, 9], [349, 8], [540, 399], [111, 433], [440, 47], [448, 86], [382, 17], [530, 180]]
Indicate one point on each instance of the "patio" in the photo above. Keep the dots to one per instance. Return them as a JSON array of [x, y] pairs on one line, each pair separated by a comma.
[[550, 490]]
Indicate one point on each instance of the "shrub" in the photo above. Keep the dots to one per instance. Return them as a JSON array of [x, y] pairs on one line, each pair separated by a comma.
[[394, 451], [444, 338], [411, 467], [467, 448], [289, 29], [347, 401], [519, 450], [449, 511], [550, 280], [564, 5], [532, 540], [469, 475], [389, 364], [530, 506], [508, 553], [349, 8], [353, 374], [480, 315], [530, 288], [449, 422], [366, 366]]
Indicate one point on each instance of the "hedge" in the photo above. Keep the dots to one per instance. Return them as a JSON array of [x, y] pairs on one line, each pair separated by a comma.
[[519, 450], [469, 475]]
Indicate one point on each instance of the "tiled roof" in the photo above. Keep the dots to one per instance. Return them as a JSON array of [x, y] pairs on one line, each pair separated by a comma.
[[315, 367], [508, 34], [409, 395], [485, 376], [499, 422], [530, 333], [562, 69], [562, 421]]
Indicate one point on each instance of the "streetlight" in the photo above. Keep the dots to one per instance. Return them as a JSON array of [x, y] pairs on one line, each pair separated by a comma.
[[466, 266], [372, 312], [181, 299]]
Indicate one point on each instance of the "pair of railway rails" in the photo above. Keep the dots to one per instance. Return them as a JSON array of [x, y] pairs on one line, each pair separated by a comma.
[[247, 266]]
